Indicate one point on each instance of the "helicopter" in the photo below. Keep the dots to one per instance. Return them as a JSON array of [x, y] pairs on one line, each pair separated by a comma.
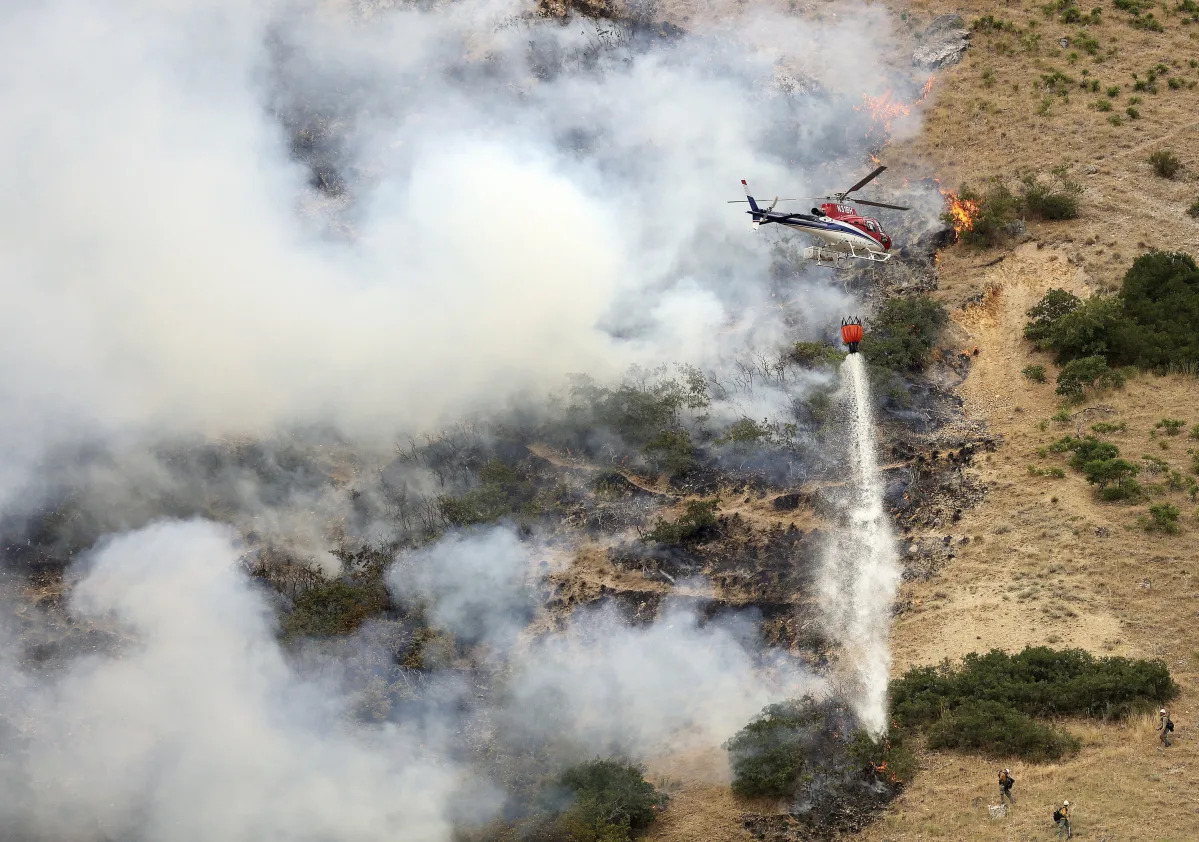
[[842, 231]]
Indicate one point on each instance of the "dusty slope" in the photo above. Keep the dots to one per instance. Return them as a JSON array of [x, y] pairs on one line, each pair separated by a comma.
[[1045, 562]]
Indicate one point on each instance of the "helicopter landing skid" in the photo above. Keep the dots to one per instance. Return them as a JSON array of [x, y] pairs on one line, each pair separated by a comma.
[[835, 258]]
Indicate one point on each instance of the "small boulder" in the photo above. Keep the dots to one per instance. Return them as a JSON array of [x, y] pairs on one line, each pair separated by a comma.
[[944, 42]]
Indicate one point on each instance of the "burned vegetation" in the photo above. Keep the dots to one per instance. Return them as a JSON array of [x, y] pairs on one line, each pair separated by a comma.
[[643, 494]]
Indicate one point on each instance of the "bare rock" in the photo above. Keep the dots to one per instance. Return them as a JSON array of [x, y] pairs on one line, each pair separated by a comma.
[[943, 52], [944, 43]]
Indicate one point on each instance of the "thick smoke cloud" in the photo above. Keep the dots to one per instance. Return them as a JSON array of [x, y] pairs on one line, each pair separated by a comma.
[[611, 687], [197, 729], [519, 200], [477, 586], [672, 686], [502, 202]]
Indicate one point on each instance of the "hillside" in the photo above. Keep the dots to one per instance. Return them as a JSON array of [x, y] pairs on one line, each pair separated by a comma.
[[1047, 562], [556, 511], [1041, 561]]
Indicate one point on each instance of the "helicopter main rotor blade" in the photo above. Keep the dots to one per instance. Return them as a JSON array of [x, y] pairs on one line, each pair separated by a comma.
[[746, 201], [864, 181], [878, 204]]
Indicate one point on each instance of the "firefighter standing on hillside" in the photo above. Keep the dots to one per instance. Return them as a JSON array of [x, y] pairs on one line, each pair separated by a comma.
[[1164, 727], [1061, 817], [1005, 785]]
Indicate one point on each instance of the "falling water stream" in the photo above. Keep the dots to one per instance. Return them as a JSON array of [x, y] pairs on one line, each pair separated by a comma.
[[861, 569]]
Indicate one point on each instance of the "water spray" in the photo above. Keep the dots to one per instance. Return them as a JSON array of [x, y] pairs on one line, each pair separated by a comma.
[[861, 570]]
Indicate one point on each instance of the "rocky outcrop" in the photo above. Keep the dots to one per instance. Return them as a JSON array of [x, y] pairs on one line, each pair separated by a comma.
[[944, 43]]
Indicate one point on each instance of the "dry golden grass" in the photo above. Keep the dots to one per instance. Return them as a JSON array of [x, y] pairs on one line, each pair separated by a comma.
[[1046, 562], [985, 120]]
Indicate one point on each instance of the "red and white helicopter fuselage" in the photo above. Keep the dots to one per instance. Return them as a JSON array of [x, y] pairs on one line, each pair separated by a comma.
[[841, 230]]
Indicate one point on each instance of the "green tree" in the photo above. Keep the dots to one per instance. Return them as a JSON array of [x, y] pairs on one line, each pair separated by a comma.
[[1046, 313], [1110, 472], [1086, 373], [1092, 329], [903, 332], [1160, 296]]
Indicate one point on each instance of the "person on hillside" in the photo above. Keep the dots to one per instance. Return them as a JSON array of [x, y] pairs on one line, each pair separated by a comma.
[[1164, 727], [1005, 786], [1061, 818]]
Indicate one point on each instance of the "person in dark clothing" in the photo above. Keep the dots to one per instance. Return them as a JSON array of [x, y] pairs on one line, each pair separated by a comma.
[[1005, 785]]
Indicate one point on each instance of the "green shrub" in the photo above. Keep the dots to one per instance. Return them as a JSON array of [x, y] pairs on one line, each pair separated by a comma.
[[1193, 210], [1056, 200], [1114, 477], [744, 431], [1103, 428], [1147, 22], [1160, 323], [993, 729], [502, 491], [1194, 431], [334, 608], [1133, 113], [1035, 373], [1085, 42], [1103, 105], [1085, 449], [903, 332], [671, 452], [1047, 312], [1092, 329], [697, 524], [996, 210], [612, 802], [989, 23], [1113, 90], [889, 753], [813, 753], [1162, 518], [1038, 682], [1165, 163], [767, 755], [815, 354], [1170, 426], [1086, 373]]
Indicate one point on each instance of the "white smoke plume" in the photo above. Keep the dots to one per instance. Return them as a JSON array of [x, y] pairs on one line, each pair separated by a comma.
[[608, 685], [861, 570], [476, 585], [519, 205], [197, 729]]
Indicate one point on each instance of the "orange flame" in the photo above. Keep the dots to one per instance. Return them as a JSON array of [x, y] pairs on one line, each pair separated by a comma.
[[883, 769], [885, 108], [963, 211]]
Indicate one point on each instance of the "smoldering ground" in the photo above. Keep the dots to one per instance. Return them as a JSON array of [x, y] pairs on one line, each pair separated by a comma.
[[496, 201], [198, 726], [521, 201]]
